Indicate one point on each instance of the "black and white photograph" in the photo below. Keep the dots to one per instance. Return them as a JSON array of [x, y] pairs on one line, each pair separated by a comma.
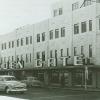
[[49, 49]]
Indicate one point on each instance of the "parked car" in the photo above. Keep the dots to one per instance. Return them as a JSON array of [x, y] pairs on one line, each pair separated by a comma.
[[32, 82], [10, 84]]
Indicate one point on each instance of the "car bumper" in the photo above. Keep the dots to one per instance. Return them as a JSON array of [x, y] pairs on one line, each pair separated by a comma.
[[18, 90]]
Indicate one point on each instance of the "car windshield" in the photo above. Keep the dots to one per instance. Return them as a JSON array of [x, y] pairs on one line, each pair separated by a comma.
[[10, 78]]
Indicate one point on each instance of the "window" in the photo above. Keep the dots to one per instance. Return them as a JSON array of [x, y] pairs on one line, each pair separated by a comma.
[[5, 45], [87, 3], [18, 43], [57, 33], [12, 44], [82, 50], [30, 39], [2, 47], [63, 32], [60, 11], [38, 37], [12, 58], [43, 56], [55, 12], [90, 25], [43, 36], [75, 6], [38, 55], [30, 57], [90, 50], [61, 52], [51, 34], [75, 51], [27, 40], [9, 45], [21, 41], [76, 28], [99, 24], [26, 58], [67, 51], [83, 27], [51, 54], [55, 53]]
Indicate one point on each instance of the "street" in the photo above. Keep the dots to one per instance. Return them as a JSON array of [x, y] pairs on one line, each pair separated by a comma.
[[51, 94]]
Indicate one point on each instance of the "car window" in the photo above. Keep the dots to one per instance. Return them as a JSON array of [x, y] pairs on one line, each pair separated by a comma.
[[10, 78]]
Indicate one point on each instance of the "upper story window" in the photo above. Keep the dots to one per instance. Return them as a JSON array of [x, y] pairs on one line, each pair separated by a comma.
[[43, 56], [75, 51], [82, 50], [9, 44], [2, 47], [21, 41], [56, 33], [67, 51], [63, 32], [51, 34], [55, 12], [87, 2], [75, 6], [90, 25], [38, 37], [51, 54], [83, 27], [90, 50], [18, 43], [43, 36], [30, 39], [60, 11], [27, 40], [61, 52], [38, 55], [76, 28], [12, 44], [5, 45]]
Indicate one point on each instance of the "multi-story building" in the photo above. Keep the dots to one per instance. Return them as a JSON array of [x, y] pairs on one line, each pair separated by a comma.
[[62, 47]]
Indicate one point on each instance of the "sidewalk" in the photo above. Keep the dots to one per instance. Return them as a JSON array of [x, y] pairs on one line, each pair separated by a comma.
[[76, 88]]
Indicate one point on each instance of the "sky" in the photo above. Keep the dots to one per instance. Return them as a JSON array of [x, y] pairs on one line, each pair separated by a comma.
[[17, 13]]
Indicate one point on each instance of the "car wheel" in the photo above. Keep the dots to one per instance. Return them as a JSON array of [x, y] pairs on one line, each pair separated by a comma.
[[7, 90]]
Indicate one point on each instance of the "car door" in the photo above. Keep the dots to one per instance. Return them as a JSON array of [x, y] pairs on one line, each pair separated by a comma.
[[1, 84]]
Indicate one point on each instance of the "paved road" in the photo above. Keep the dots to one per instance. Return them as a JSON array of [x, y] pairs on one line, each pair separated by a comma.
[[52, 94]]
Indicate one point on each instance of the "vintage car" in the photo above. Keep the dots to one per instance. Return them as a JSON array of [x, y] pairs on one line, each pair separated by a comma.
[[10, 84], [32, 82]]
